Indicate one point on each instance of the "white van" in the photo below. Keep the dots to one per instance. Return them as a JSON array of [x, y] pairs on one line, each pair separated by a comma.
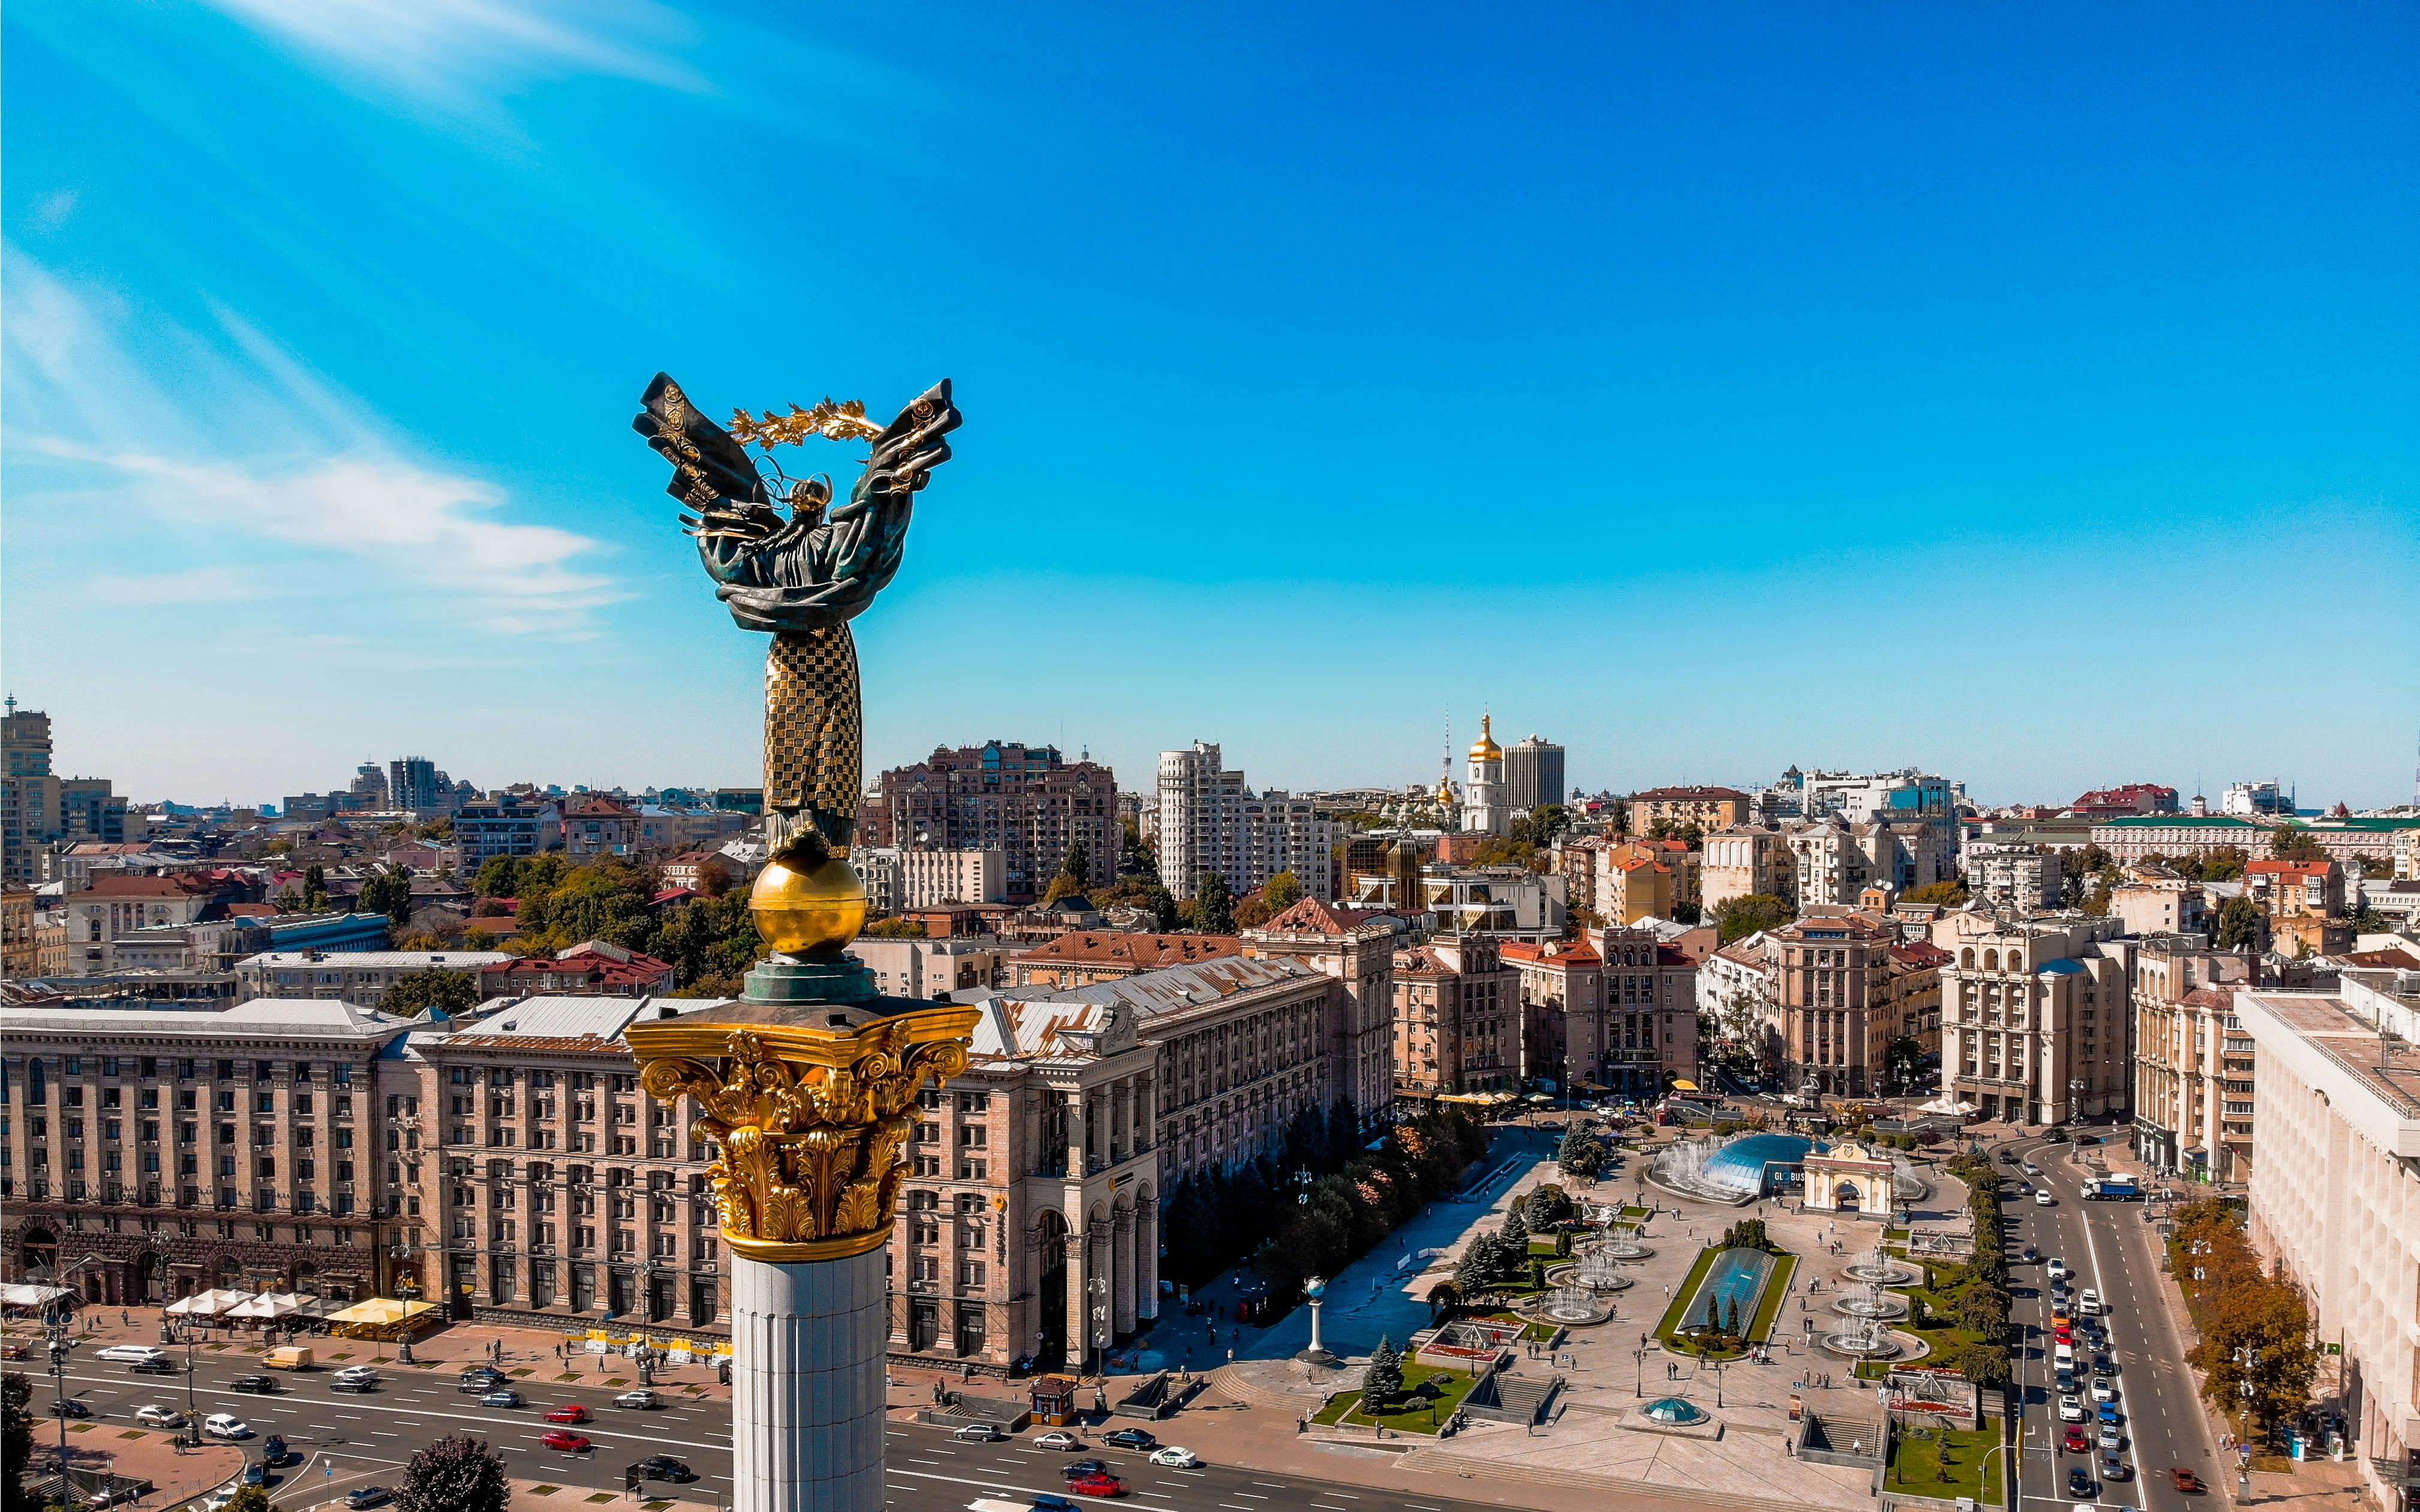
[[2062, 1356]]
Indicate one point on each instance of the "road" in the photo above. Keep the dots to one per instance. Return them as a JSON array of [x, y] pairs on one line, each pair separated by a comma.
[[367, 1439], [2113, 1251]]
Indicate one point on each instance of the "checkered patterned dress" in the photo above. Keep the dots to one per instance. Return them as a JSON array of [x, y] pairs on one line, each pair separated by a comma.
[[814, 724]]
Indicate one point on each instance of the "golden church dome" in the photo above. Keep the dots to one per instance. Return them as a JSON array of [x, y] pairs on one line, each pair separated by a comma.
[[1486, 749]]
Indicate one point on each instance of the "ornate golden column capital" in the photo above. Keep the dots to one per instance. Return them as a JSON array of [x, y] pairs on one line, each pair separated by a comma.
[[810, 1117]]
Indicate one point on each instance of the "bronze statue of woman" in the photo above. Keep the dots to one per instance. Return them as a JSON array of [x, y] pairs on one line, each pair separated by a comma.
[[802, 579]]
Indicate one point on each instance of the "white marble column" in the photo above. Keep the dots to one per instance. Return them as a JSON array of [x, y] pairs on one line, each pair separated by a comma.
[[1121, 1272], [806, 1378], [1147, 1258]]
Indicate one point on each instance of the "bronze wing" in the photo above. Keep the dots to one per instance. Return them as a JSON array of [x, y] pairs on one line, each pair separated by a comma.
[[711, 471]]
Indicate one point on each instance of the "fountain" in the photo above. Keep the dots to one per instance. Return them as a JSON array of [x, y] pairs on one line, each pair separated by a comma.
[[1574, 1306], [1882, 1270], [1620, 1249], [1874, 1303], [1864, 1342], [1601, 1271]]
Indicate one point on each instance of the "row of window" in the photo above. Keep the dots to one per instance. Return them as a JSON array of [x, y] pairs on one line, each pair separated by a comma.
[[39, 1072]]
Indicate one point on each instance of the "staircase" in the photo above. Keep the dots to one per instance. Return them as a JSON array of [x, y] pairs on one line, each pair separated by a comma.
[[1507, 1399]]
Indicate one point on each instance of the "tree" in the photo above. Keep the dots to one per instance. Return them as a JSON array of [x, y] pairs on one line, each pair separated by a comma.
[[1383, 1381], [1731, 1317], [1904, 1059], [250, 1499], [1060, 886], [389, 893], [1283, 891], [1740, 918], [2224, 863], [1546, 1206], [1580, 1153], [314, 888], [1516, 1231], [1214, 906], [1253, 912], [1949, 894], [2293, 842], [417, 992], [456, 1473], [499, 876], [1985, 1364], [2239, 924], [1077, 864], [16, 1438], [897, 929], [1165, 914]]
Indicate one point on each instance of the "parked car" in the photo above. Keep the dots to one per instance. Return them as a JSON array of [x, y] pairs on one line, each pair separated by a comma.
[[569, 1413], [130, 1353], [501, 1396], [227, 1426], [69, 1407], [566, 1441], [156, 1416], [2075, 1443], [1098, 1486], [1172, 1455], [1130, 1438], [264, 1386], [979, 1433], [638, 1398], [362, 1496], [2185, 1480], [2079, 1485], [664, 1467]]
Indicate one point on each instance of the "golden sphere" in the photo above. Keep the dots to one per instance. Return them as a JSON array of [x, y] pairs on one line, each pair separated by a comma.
[[802, 912]]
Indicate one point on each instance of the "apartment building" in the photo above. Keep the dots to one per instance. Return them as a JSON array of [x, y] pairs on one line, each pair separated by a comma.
[[2036, 1016], [20, 953], [1210, 820], [1829, 983], [2162, 906], [1709, 808], [360, 977], [2177, 836], [1355, 951], [932, 967], [2194, 1063], [193, 1151], [2336, 1198], [2304, 901], [2018, 876], [933, 879], [594, 969], [1458, 1020], [1744, 861], [1028, 803], [528, 1180], [505, 826], [1562, 988]]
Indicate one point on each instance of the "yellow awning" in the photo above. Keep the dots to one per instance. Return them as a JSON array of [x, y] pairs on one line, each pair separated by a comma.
[[1681, 1085], [381, 1311]]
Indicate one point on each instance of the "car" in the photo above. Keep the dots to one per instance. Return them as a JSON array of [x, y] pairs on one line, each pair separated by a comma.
[[664, 1467], [504, 1397], [1078, 1468], [15, 1349], [2109, 1439], [69, 1407], [979, 1433], [1175, 1458], [2008, 1157], [569, 1413], [1045, 1502], [2054, 1137], [2102, 1391], [2070, 1409], [2032, 1255], [2091, 1299], [2043, 1199], [254, 1473], [566, 1441], [2113, 1467], [2075, 1443], [273, 1451], [162, 1367], [156, 1416], [638, 1398], [359, 1384], [2057, 1268], [263, 1385], [1130, 1438], [2079, 1485], [2104, 1365], [474, 1385], [357, 1372], [2184, 1480], [362, 1496], [2067, 1383], [130, 1353], [2108, 1412], [227, 1426], [1058, 1438], [1098, 1486]]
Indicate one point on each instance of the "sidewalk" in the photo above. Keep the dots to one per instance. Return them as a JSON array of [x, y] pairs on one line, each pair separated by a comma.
[[146, 1453]]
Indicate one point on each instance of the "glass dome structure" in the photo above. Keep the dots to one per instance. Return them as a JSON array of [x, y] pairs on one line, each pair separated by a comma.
[[1747, 1165], [1673, 1410]]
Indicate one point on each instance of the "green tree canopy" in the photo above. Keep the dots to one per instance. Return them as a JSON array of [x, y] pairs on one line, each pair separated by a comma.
[[2293, 842], [2239, 921], [417, 992], [1581, 1153], [16, 1437], [1739, 917], [387, 892], [456, 1473], [1383, 1381], [897, 929], [1283, 891], [1949, 894], [1214, 906], [249, 1499]]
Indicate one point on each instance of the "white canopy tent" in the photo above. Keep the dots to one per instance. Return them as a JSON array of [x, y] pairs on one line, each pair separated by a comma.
[[21, 1294], [269, 1304], [207, 1304]]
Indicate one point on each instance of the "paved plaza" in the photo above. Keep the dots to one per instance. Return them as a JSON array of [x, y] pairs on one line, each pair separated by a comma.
[[1607, 1376]]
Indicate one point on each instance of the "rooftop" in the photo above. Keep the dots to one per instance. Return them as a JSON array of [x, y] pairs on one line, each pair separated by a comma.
[[1145, 953], [290, 1018], [370, 959]]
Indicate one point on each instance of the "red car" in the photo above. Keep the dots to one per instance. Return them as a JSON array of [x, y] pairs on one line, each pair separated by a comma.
[[1097, 1486], [2076, 1443], [2185, 1480], [570, 1413], [569, 1441]]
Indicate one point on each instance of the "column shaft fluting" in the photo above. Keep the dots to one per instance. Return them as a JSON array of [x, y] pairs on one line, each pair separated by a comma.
[[807, 1396]]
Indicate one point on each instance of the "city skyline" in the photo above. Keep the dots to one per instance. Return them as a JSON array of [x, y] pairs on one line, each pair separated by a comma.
[[2034, 415]]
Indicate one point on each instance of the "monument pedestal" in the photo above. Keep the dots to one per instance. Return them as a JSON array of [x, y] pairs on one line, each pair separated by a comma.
[[806, 1384]]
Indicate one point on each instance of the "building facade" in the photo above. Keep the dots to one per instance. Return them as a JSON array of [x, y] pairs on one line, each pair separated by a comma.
[[1355, 951], [1744, 861], [359, 977], [2335, 1199], [1709, 808], [2018, 876], [1533, 773], [1458, 1020], [2193, 1062], [2035, 1018], [1210, 820], [1028, 803]]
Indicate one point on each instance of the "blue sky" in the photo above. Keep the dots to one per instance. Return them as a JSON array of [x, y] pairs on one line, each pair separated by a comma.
[[2031, 397]]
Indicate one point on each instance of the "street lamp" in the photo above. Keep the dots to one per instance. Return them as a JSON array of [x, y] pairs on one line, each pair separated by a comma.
[[1639, 1372]]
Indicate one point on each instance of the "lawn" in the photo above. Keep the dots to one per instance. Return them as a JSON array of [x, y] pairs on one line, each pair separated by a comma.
[[1761, 1328], [1425, 1387], [1974, 1467]]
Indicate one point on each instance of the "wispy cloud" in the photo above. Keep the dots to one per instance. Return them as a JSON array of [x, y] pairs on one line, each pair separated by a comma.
[[308, 470], [453, 49]]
